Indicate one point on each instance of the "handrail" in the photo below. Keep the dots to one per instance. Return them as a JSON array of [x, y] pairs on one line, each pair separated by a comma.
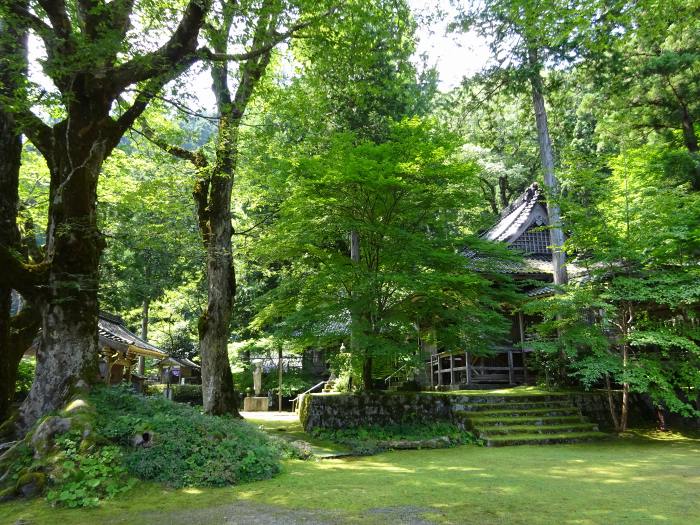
[[294, 401], [388, 378]]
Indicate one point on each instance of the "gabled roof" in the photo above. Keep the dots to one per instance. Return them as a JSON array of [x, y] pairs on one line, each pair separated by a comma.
[[181, 361], [525, 212], [113, 334]]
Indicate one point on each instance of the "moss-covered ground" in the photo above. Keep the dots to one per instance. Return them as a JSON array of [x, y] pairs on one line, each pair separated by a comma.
[[639, 478]]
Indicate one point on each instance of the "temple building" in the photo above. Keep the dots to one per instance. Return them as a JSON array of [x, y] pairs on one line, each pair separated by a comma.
[[522, 226], [120, 350]]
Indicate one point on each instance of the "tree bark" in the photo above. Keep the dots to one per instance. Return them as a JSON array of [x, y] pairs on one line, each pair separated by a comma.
[[13, 46], [691, 143], [356, 320], [68, 349], [279, 378], [91, 78], [556, 235], [213, 199]]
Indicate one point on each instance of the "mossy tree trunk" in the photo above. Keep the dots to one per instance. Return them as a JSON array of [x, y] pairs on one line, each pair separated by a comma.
[[86, 67], [16, 332], [213, 191], [68, 350], [213, 198]]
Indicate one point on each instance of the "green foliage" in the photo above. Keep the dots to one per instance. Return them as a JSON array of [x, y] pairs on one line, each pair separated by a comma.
[[294, 381], [367, 440], [86, 477], [25, 377], [188, 447], [408, 199], [190, 394], [633, 320]]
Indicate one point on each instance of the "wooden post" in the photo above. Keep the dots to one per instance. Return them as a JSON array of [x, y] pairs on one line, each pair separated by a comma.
[[108, 373], [452, 370], [432, 373], [510, 367], [521, 324], [279, 378], [468, 368], [439, 363]]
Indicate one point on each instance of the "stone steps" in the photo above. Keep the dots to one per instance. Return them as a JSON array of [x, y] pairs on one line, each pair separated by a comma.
[[525, 420], [522, 420], [514, 412], [500, 430], [539, 439], [516, 405]]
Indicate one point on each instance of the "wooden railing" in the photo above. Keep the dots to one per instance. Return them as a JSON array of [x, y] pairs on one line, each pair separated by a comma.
[[510, 374], [312, 389]]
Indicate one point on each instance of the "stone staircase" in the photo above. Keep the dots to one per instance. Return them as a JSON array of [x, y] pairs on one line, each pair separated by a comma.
[[524, 419]]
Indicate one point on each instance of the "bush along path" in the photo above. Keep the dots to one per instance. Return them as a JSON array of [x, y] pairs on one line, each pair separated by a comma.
[[525, 420], [102, 441]]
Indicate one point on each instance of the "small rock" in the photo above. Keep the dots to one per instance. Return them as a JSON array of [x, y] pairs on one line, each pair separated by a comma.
[[82, 385], [42, 440], [31, 485], [303, 449]]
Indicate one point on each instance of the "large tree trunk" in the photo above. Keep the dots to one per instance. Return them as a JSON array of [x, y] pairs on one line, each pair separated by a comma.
[[213, 198], [214, 325], [13, 46], [68, 349], [691, 143], [218, 391], [556, 235]]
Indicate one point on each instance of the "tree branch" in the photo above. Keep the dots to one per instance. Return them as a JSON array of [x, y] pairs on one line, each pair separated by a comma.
[[182, 43], [36, 131], [27, 279], [144, 97], [56, 11], [197, 158]]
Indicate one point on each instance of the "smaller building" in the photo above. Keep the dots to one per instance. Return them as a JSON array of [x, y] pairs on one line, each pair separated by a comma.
[[120, 350], [179, 371]]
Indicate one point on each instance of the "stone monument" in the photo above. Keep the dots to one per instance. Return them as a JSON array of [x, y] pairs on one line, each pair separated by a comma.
[[256, 403]]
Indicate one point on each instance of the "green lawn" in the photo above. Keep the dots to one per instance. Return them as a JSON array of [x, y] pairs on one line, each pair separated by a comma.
[[637, 479]]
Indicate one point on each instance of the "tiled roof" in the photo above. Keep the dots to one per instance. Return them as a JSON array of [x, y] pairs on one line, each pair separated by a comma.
[[516, 217], [182, 361], [114, 334]]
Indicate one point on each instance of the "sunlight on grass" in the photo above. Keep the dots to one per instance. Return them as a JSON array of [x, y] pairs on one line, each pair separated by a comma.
[[627, 481]]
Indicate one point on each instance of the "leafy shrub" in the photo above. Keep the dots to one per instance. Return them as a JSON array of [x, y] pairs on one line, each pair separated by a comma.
[[375, 438], [187, 447], [191, 394], [294, 381], [83, 478], [25, 377]]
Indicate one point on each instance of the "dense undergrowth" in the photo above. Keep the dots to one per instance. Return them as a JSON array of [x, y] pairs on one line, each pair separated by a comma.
[[98, 446]]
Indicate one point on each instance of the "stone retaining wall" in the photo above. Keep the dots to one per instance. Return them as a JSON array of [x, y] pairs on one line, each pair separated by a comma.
[[334, 411], [594, 405]]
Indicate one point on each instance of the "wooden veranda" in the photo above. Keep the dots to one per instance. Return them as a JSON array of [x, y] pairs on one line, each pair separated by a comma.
[[457, 370]]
